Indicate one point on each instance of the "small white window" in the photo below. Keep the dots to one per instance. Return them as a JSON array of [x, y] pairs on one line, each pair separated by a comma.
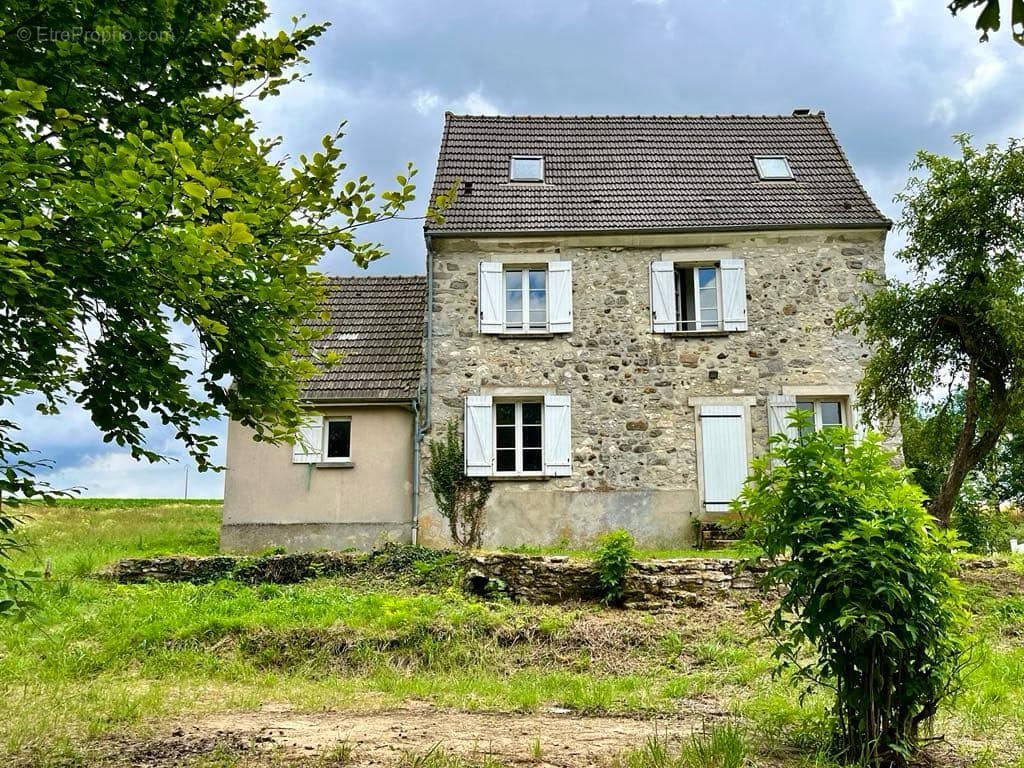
[[526, 299], [526, 168], [338, 440], [827, 412], [773, 167], [698, 298], [519, 438]]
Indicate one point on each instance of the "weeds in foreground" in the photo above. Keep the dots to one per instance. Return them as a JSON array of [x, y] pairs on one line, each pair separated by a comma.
[[718, 746]]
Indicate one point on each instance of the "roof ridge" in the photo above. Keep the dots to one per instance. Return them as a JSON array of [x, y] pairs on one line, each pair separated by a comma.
[[849, 167], [330, 276], [680, 116]]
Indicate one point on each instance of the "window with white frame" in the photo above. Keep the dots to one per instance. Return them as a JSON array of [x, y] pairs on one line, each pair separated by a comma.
[[323, 439], [517, 437], [516, 298], [526, 299], [825, 412], [698, 297], [773, 168], [338, 440], [526, 168]]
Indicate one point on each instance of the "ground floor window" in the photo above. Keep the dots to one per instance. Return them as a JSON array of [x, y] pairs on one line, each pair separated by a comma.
[[338, 441], [518, 437], [826, 412]]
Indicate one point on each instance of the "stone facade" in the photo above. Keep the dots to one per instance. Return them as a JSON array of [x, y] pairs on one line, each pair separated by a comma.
[[633, 392]]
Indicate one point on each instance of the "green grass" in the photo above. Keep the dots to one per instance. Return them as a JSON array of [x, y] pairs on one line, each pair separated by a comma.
[[97, 656]]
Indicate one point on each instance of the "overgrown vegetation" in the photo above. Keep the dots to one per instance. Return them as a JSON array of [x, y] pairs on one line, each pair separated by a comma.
[[613, 551], [460, 499], [867, 586], [102, 659]]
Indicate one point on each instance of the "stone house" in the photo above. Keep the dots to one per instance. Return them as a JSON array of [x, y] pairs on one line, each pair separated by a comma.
[[351, 479], [617, 313], [621, 310]]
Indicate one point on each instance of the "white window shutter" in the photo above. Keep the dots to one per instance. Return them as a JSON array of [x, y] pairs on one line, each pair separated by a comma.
[[557, 436], [724, 454], [663, 297], [560, 297], [479, 437], [308, 448], [490, 297], [860, 425], [779, 407], [734, 294]]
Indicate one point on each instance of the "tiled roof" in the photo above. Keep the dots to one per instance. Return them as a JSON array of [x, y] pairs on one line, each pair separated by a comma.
[[647, 173], [377, 323]]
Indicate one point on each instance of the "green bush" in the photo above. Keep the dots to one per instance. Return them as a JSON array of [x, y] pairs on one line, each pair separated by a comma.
[[613, 553], [867, 584], [984, 526]]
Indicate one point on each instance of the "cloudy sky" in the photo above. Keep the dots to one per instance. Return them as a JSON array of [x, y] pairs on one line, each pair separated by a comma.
[[892, 76]]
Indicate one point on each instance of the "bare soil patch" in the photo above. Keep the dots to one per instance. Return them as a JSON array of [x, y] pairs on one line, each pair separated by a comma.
[[280, 736]]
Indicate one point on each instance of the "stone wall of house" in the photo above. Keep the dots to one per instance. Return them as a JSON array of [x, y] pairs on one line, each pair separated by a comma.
[[633, 425]]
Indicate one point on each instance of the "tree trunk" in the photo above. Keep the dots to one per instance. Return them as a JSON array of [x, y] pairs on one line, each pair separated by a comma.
[[970, 452]]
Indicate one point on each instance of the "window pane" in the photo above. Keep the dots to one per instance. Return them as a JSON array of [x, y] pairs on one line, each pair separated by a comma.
[[505, 413], [531, 437], [708, 280], [708, 277], [506, 437], [527, 168], [831, 413], [506, 461], [773, 168], [532, 461], [538, 279], [514, 280], [339, 435], [538, 308], [514, 319], [532, 413]]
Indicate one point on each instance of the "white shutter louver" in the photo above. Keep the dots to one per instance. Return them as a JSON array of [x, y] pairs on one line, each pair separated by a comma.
[[663, 297], [308, 448], [479, 442], [723, 453], [489, 297], [779, 407], [734, 294], [557, 436], [560, 297]]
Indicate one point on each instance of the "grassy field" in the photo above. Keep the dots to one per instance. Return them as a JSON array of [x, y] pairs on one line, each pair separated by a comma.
[[103, 670]]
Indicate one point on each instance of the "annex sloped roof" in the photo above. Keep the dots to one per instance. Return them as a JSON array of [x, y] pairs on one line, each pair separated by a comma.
[[377, 323], [649, 173]]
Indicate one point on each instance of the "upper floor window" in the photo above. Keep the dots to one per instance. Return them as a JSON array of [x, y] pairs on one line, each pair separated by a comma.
[[526, 299], [694, 297], [519, 299], [526, 168], [772, 167], [323, 440]]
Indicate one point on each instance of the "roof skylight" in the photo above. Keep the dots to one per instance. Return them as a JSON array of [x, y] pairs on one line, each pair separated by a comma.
[[771, 167], [526, 168]]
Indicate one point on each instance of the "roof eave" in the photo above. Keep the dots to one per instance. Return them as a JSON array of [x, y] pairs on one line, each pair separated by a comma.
[[885, 224]]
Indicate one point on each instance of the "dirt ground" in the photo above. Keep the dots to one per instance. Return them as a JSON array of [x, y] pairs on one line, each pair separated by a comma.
[[277, 735]]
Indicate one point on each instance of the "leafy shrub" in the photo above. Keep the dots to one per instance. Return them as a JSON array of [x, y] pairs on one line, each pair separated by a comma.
[[867, 583], [460, 499], [614, 551]]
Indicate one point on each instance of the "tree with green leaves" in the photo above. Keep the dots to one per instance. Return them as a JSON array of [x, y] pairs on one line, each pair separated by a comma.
[[138, 196], [990, 17], [956, 329]]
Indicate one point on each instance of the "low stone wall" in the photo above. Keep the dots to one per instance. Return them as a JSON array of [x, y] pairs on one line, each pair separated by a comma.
[[270, 569], [648, 584]]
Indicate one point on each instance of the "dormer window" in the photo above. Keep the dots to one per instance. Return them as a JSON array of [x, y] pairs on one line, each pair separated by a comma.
[[772, 167], [526, 168]]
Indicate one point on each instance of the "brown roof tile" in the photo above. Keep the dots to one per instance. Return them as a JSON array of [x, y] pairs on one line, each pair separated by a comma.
[[647, 173], [377, 324]]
